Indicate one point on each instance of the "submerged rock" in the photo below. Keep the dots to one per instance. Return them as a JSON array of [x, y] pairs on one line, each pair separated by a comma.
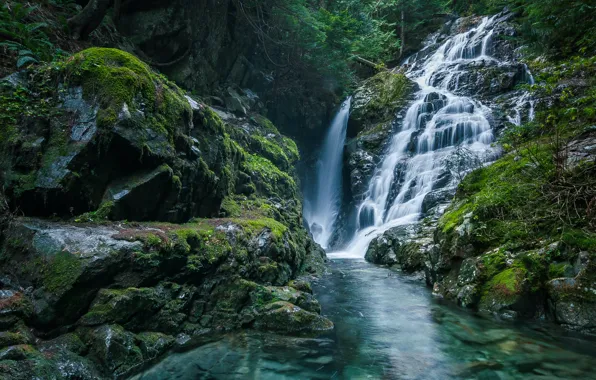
[[285, 317]]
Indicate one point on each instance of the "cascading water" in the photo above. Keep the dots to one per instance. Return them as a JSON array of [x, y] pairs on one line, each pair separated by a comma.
[[436, 126], [323, 208]]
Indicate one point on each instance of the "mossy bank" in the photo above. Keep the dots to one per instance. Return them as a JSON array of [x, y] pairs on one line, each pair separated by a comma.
[[152, 221]]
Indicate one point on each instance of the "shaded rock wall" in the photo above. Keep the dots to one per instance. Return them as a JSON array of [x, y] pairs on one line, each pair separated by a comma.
[[208, 46]]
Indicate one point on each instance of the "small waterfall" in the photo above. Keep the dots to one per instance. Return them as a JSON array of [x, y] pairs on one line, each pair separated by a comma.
[[436, 125], [322, 209]]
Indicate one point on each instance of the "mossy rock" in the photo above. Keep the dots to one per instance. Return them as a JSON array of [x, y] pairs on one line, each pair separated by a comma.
[[378, 100], [115, 349], [285, 317]]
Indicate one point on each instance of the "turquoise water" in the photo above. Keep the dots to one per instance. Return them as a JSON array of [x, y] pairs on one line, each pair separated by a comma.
[[388, 326]]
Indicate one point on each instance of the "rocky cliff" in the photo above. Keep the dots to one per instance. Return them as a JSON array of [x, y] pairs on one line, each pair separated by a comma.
[[517, 241], [151, 220]]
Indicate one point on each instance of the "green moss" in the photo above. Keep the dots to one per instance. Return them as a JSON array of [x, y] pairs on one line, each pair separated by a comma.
[[255, 226], [506, 285], [211, 121], [101, 214], [271, 150], [494, 263], [230, 208], [114, 78], [291, 149], [500, 198], [61, 272], [454, 217], [577, 239], [264, 123], [558, 270], [269, 179]]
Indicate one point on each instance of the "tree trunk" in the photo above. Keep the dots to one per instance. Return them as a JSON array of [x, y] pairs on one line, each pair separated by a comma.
[[89, 19], [368, 63], [403, 33]]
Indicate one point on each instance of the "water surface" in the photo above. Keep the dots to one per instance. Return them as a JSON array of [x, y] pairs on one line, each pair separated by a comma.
[[388, 326]]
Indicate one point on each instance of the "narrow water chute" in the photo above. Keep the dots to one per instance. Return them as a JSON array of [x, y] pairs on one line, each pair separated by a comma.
[[322, 210]]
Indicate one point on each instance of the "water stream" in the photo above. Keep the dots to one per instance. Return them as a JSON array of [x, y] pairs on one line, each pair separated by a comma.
[[388, 326], [322, 207]]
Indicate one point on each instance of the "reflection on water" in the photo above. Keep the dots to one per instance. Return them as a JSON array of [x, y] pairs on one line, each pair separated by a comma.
[[388, 327]]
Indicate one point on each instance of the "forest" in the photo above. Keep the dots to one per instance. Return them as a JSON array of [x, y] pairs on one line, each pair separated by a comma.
[[345, 189]]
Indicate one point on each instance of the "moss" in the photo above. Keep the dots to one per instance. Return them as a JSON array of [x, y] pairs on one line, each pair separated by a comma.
[[115, 78], [507, 284], [61, 272], [264, 123], [271, 150], [230, 208], [211, 121], [577, 239], [101, 214], [494, 263], [454, 217], [255, 226], [291, 149], [269, 179], [558, 270], [500, 197], [389, 88]]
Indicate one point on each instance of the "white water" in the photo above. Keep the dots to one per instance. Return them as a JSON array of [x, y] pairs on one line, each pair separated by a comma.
[[323, 208], [435, 125]]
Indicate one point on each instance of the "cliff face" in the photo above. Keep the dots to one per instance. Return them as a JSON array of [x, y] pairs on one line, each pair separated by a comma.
[[152, 220], [208, 46]]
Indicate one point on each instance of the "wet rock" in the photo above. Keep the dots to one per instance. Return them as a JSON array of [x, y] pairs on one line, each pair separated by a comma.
[[398, 246], [115, 348], [153, 344], [378, 99], [68, 261], [573, 302], [581, 150], [380, 251], [288, 318]]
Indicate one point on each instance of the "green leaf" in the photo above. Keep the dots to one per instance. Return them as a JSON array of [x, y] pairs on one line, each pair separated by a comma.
[[22, 61]]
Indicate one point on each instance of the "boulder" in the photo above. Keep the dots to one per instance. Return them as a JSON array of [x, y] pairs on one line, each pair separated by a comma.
[[285, 317], [398, 246]]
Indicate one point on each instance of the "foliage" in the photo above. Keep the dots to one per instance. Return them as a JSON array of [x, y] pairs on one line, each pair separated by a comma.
[[29, 31], [558, 27]]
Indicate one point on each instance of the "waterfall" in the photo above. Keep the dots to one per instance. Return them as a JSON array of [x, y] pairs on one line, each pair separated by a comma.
[[437, 124], [322, 209]]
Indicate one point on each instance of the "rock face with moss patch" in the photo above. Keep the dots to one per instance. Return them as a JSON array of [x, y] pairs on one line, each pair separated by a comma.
[[494, 253], [377, 105], [116, 154], [109, 130]]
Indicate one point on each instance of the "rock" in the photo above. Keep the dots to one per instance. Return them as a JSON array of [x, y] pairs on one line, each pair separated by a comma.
[[381, 251], [397, 246], [582, 150], [378, 99], [288, 318], [140, 197], [153, 344], [573, 302], [115, 348]]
